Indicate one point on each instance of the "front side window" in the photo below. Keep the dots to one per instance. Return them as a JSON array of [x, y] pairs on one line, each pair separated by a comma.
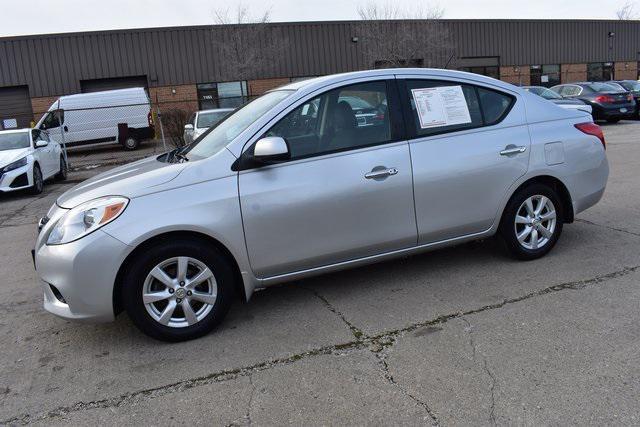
[[52, 119], [14, 140], [345, 118], [39, 135]]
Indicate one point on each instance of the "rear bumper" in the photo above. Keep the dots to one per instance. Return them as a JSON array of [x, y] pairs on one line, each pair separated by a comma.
[[609, 112]]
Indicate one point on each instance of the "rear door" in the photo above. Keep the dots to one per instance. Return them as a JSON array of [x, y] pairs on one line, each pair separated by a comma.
[[465, 159], [345, 194]]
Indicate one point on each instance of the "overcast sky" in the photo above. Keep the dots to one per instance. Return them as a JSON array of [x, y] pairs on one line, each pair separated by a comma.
[[20, 17]]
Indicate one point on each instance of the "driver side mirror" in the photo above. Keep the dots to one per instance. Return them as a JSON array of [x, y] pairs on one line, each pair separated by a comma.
[[272, 149], [41, 143], [188, 127]]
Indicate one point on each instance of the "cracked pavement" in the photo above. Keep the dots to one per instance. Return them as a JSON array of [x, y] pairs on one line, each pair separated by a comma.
[[459, 336]]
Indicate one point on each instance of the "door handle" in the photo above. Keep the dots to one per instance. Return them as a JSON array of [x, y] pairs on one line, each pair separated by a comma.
[[380, 172], [512, 149]]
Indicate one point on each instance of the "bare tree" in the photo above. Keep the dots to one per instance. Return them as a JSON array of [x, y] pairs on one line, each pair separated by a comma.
[[627, 11], [411, 37], [249, 45]]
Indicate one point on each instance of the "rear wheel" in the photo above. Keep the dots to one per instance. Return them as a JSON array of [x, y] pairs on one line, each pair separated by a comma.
[[131, 143], [532, 222], [62, 173], [38, 181], [178, 290]]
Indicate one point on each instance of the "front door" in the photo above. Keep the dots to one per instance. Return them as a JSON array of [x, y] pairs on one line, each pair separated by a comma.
[[346, 193], [465, 161]]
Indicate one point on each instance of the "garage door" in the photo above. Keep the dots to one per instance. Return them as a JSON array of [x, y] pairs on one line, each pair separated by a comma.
[[97, 85], [15, 107]]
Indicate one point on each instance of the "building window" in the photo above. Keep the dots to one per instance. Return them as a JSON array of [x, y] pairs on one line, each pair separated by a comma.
[[547, 75], [490, 71], [222, 95], [600, 71]]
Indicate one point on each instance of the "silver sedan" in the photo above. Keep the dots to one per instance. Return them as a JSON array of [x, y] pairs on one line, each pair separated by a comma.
[[291, 186]]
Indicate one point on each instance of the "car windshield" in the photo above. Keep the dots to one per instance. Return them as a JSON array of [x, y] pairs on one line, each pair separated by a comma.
[[14, 140], [356, 103], [206, 120], [233, 125], [603, 87]]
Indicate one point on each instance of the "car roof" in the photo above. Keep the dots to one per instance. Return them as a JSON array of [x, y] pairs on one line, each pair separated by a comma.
[[319, 82], [15, 130], [216, 110]]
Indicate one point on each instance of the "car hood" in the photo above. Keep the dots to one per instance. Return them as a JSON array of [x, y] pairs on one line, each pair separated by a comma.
[[131, 180], [9, 156], [567, 101]]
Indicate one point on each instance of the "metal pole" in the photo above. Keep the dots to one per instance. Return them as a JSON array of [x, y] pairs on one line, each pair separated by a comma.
[[64, 144], [164, 144]]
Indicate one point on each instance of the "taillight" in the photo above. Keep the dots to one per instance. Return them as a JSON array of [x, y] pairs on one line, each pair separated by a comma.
[[592, 129], [604, 99], [150, 118]]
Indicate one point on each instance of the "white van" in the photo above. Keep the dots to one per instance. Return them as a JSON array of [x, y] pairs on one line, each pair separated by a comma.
[[114, 116]]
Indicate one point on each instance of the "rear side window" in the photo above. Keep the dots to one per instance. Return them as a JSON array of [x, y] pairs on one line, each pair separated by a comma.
[[495, 105], [438, 107]]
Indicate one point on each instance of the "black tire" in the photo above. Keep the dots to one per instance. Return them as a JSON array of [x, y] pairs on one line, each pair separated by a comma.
[[62, 174], [145, 261], [508, 227], [131, 143], [613, 120], [38, 181]]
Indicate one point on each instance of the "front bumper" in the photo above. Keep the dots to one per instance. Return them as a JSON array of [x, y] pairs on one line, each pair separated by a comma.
[[83, 273], [8, 180]]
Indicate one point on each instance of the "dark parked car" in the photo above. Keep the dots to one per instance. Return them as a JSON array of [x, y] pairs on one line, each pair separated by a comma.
[[632, 86], [608, 102], [569, 104]]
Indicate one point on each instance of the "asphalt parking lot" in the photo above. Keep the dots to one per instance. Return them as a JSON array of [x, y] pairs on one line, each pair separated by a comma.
[[459, 336]]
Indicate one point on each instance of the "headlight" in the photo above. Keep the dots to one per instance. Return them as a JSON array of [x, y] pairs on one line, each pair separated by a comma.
[[86, 218], [15, 165]]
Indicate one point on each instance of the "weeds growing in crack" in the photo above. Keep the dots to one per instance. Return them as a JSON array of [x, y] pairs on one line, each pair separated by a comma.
[[383, 340], [485, 367], [384, 367]]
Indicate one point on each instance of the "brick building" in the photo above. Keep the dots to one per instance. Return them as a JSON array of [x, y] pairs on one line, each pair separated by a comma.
[[181, 66]]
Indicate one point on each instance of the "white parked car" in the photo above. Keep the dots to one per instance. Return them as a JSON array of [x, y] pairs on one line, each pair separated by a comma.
[[200, 121], [115, 116], [28, 157]]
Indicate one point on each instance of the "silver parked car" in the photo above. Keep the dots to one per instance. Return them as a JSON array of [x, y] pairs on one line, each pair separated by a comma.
[[291, 186]]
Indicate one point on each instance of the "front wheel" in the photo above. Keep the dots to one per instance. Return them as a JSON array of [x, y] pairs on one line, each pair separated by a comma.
[[62, 173], [38, 181], [178, 290], [532, 222]]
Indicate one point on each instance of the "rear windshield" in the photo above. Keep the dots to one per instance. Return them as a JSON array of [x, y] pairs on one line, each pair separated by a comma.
[[206, 120], [603, 87], [14, 140]]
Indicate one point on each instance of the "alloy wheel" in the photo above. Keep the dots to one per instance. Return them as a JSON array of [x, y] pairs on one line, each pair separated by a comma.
[[535, 222], [179, 292]]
